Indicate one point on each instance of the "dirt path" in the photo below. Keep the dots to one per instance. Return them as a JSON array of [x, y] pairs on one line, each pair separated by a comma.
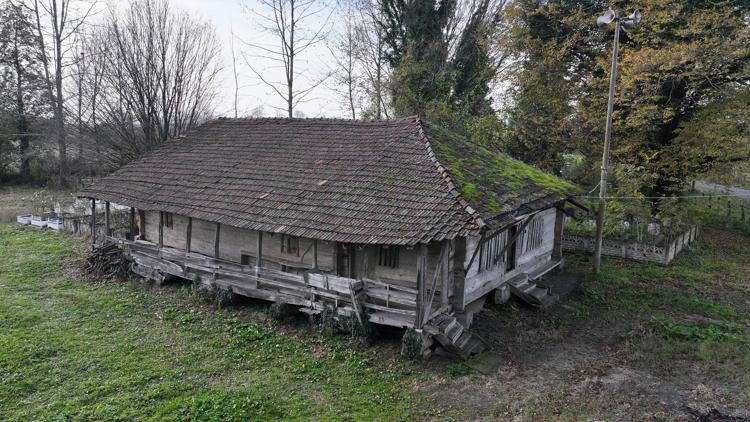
[[597, 355]]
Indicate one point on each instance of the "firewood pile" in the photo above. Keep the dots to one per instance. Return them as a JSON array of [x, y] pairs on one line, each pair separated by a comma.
[[106, 262]]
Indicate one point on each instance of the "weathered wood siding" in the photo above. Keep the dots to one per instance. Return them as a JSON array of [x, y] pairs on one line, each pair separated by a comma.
[[406, 273], [235, 242], [477, 283]]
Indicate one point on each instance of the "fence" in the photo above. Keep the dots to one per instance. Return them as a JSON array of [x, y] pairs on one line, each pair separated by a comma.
[[119, 224], [662, 252]]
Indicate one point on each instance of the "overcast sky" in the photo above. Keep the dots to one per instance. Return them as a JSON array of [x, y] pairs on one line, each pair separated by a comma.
[[323, 102]]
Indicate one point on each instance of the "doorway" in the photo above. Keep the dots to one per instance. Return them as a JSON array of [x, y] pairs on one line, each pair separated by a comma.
[[345, 258]]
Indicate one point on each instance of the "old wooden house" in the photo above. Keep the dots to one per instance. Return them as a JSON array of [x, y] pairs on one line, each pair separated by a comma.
[[398, 222]]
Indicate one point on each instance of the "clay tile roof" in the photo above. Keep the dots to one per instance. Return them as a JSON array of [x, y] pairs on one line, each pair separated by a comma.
[[397, 182]]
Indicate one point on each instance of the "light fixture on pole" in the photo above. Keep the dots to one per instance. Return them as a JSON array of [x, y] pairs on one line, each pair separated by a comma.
[[602, 22]]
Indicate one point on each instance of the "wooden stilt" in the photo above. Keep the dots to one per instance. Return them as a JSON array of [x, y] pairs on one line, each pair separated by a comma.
[[259, 250]]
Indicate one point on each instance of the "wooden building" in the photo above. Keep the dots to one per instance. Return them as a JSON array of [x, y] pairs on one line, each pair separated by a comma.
[[398, 222]]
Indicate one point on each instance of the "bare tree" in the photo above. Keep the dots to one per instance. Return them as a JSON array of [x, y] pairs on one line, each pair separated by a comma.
[[287, 20], [61, 22], [234, 68], [344, 51], [370, 53], [161, 70]]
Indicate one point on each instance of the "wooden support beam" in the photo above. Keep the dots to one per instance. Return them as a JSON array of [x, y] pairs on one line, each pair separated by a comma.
[[363, 272], [132, 223], [559, 227], [161, 229], [447, 271], [217, 240], [259, 250], [93, 221], [315, 254], [421, 284], [107, 229], [189, 235], [142, 223]]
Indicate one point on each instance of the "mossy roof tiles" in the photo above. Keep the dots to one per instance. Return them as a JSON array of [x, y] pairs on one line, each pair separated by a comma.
[[398, 181]]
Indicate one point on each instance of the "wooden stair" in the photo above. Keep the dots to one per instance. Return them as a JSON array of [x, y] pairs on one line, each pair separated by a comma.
[[531, 292], [454, 338]]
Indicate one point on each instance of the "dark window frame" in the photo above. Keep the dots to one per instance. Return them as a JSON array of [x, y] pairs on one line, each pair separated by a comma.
[[290, 244], [389, 256], [168, 219]]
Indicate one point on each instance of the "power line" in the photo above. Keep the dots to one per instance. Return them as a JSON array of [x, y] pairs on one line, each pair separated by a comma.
[[738, 195]]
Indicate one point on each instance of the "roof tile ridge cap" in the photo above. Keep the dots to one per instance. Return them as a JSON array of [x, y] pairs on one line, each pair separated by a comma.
[[442, 172]]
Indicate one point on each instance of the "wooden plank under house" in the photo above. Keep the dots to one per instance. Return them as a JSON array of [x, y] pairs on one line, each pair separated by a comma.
[[398, 222]]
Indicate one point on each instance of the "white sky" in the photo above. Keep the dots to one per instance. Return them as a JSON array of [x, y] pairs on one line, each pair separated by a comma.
[[322, 102]]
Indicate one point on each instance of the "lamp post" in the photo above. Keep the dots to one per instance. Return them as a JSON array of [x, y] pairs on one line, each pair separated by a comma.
[[602, 21]]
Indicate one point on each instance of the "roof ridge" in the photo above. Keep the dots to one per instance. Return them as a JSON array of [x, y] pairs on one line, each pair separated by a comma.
[[442, 172], [311, 119]]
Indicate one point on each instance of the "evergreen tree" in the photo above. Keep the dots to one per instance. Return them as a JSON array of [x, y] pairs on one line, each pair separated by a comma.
[[443, 64], [21, 91]]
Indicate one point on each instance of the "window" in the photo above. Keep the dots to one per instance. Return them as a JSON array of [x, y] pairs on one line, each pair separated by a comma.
[[388, 256], [245, 259], [168, 220], [534, 234], [491, 252], [290, 244]]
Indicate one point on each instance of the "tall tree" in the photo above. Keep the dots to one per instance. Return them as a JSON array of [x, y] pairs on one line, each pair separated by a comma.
[[444, 58], [681, 59], [21, 89], [162, 69], [344, 52], [298, 25], [60, 20], [370, 54]]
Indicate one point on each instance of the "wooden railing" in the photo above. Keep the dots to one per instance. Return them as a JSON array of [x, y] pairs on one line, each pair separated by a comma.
[[310, 289]]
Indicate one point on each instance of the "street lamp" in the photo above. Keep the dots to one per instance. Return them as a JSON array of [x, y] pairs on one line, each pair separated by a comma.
[[602, 21]]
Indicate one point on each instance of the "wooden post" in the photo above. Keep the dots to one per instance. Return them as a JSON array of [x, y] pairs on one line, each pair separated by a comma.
[[217, 240], [559, 227], [132, 223], [447, 272], [315, 254], [93, 222], [142, 222], [259, 250], [107, 229], [161, 229], [365, 264], [189, 235], [421, 284]]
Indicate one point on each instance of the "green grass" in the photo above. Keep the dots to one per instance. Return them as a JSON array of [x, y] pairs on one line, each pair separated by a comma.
[[71, 349], [695, 309]]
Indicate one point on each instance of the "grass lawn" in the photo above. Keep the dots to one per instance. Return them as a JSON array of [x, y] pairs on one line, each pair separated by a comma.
[[80, 350], [637, 342]]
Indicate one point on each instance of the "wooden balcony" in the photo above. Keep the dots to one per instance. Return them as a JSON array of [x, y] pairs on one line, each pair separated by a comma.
[[379, 302]]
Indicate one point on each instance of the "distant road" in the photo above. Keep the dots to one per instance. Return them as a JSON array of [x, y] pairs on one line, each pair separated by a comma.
[[722, 189]]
